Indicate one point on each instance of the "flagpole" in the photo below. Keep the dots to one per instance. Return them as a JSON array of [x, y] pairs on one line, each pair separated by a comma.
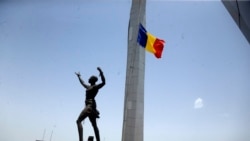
[[133, 120]]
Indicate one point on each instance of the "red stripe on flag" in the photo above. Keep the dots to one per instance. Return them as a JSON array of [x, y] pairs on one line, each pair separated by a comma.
[[158, 46]]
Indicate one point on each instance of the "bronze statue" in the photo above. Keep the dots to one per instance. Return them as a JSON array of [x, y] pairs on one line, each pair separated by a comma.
[[90, 110]]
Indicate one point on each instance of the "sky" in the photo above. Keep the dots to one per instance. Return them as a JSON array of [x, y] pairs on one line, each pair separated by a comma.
[[198, 91]]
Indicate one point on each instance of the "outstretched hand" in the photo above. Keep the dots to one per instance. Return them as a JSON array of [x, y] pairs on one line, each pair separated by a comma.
[[99, 69], [78, 74]]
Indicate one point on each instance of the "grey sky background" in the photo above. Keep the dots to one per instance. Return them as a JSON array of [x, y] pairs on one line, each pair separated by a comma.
[[198, 91]]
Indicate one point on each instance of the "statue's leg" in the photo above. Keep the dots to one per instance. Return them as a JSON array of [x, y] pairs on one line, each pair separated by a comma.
[[81, 117], [96, 130]]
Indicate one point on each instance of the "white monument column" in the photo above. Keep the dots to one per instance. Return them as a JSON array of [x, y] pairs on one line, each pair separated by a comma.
[[133, 119]]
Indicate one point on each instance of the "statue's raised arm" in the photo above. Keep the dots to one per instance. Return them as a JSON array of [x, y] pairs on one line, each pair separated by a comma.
[[102, 78], [81, 81]]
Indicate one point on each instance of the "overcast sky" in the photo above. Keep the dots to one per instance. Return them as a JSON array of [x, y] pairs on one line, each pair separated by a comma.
[[198, 91]]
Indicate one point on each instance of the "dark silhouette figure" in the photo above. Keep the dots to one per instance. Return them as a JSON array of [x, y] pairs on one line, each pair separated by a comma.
[[91, 138], [90, 110]]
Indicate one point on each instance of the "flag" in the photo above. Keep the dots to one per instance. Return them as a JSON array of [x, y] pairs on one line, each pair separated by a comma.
[[150, 42]]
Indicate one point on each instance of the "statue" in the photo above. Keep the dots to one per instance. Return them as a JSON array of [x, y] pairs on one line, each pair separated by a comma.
[[90, 110]]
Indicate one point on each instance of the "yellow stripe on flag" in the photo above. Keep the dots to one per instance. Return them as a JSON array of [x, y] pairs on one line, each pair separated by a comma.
[[150, 43]]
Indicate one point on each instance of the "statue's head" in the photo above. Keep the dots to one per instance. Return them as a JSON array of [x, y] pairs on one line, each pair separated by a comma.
[[93, 79]]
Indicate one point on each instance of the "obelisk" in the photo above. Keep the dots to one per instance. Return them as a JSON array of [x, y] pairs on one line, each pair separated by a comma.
[[133, 120]]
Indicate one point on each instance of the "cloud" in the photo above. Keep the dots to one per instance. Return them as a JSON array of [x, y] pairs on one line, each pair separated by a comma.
[[198, 103]]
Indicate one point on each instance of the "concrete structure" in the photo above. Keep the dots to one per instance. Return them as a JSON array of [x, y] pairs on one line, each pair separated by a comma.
[[133, 120], [240, 12]]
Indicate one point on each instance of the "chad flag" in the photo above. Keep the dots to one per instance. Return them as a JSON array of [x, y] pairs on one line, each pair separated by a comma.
[[150, 42]]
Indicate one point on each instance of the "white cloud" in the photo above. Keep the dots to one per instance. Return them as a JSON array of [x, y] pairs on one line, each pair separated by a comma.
[[198, 103]]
